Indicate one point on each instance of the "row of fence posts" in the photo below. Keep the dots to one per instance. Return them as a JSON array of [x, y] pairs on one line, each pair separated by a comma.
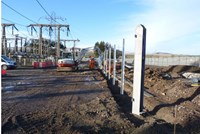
[[107, 66], [139, 67], [138, 84]]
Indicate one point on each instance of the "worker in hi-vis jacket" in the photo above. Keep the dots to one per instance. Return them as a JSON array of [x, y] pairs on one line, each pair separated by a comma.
[[91, 62]]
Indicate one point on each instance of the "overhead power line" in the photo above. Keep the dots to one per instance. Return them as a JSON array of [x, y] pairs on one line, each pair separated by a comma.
[[18, 12], [46, 11], [13, 22], [52, 18], [19, 25]]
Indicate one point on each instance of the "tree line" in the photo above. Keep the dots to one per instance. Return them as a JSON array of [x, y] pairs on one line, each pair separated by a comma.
[[103, 45]]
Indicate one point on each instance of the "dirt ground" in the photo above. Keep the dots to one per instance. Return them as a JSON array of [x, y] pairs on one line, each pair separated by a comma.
[[47, 101], [174, 99]]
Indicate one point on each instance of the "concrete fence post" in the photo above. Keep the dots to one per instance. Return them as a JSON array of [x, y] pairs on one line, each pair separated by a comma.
[[106, 62], [122, 72], [139, 67], [109, 65], [24, 61], [114, 65]]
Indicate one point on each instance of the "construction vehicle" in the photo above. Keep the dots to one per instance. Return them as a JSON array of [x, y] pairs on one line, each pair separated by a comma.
[[70, 62], [100, 58]]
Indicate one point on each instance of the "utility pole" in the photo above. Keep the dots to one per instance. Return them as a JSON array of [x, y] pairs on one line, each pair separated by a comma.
[[48, 47], [25, 45], [4, 42], [40, 41], [53, 19], [21, 39], [58, 26], [16, 43], [7, 39], [58, 45], [17, 37], [33, 47]]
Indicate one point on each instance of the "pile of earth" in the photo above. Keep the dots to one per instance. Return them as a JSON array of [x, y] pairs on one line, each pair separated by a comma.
[[175, 99]]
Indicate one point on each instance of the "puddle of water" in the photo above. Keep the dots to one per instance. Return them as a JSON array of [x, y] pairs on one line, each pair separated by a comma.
[[88, 79], [91, 82], [8, 85], [97, 83], [7, 89], [23, 83]]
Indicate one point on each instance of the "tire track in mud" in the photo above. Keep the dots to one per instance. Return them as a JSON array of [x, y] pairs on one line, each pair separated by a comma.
[[51, 106], [25, 123]]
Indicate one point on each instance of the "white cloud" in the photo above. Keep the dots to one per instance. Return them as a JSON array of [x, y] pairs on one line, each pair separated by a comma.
[[167, 21]]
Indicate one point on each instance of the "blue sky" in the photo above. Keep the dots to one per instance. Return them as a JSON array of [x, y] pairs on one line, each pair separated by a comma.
[[173, 26]]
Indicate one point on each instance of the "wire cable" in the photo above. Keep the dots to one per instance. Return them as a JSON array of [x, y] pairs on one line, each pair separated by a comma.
[[13, 22], [46, 11], [18, 12], [50, 15], [17, 24]]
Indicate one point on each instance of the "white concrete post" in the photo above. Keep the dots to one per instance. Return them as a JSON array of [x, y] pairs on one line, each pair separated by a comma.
[[139, 66], [24, 61], [114, 65], [109, 65], [122, 72], [106, 62]]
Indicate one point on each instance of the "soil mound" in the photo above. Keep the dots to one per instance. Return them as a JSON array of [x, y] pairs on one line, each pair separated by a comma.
[[182, 68]]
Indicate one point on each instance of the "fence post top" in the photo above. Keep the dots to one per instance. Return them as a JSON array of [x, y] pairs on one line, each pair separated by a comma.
[[140, 26], [140, 30]]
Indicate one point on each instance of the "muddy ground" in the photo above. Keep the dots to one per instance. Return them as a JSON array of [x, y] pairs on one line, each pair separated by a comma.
[[46, 101]]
